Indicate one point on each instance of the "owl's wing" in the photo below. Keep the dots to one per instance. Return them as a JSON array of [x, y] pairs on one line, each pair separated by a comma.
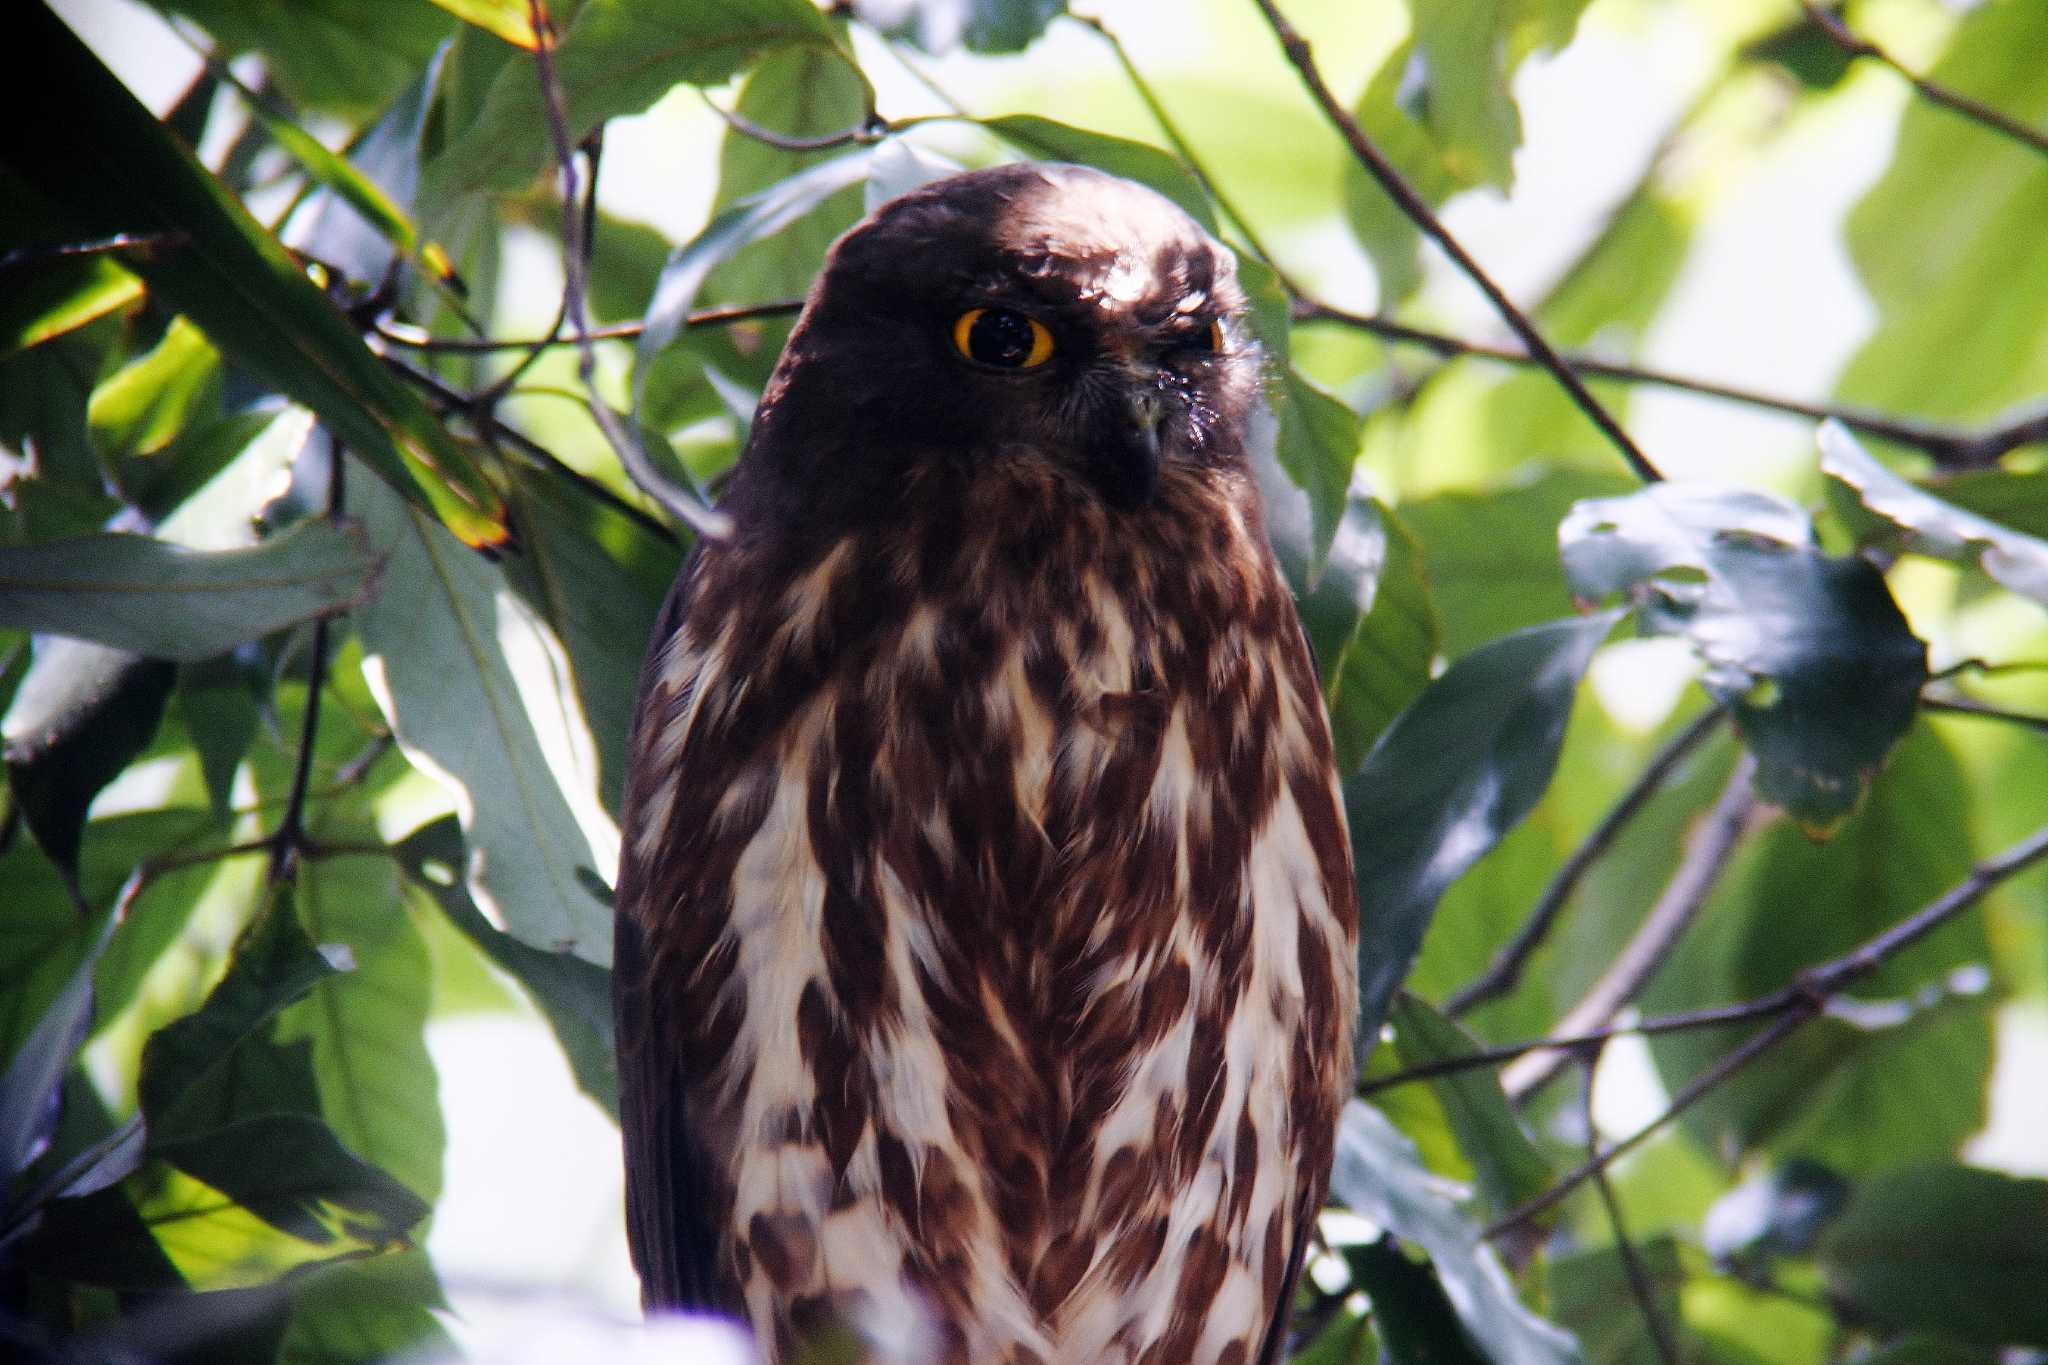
[[669, 1227]]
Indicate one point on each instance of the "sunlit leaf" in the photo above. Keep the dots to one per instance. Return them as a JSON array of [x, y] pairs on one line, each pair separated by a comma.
[[109, 167], [618, 57], [1467, 760], [1932, 526], [511, 20], [477, 691], [58, 296], [154, 598], [1378, 1175]]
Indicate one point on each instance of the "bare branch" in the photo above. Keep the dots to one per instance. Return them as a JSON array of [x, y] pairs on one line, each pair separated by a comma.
[[704, 520], [1418, 212], [1950, 446], [413, 339], [870, 130], [1856, 45], [1967, 706], [1706, 854], [288, 840], [1806, 997], [1505, 972], [1639, 1283]]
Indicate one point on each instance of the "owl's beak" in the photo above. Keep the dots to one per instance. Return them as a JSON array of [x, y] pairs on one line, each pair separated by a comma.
[[1135, 460]]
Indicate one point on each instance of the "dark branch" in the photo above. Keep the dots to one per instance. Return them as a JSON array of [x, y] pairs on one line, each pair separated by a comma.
[[415, 340], [1949, 446], [1806, 997], [1856, 45], [289, 839], [1965, 706], [1505, 972], [867, 132], [1639, 1282], [1418, 212]]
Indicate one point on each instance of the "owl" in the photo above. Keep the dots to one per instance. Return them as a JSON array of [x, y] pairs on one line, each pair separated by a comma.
[[985, 918]]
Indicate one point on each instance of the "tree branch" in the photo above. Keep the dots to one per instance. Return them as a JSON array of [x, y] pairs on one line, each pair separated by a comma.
[[1639, 1282], [1418, 212], [1808, 995], [870, 130], [289, 838], [1967, 706], [1949, 446], [414, 339], [1856, 45], [1706, 854], [1505, 972]]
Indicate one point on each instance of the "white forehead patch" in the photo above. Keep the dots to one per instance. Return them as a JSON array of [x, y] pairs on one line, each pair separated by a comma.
[[1126, 281]]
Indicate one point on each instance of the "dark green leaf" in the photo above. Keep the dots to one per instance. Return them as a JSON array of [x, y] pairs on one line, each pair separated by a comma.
[[110, 168], [334, 55], [1932, 526], [1316, 443], [618, 57], [28, 1087], [162, 600], [1947, 1249], [218, 699], [1373, 625], [274, 964], [1413, 1315], [1809, 651], [1378, 1174], [575, 996], [1591, 1293], [938, 26], [78, 718], [1457, 769], [1508, 1167], [55, 297]]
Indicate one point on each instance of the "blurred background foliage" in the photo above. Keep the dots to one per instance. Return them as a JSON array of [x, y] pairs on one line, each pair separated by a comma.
[[321, 608]]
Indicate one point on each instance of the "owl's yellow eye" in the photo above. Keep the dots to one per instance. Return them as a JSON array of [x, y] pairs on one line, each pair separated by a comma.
[[1216, 338], [999, 337]]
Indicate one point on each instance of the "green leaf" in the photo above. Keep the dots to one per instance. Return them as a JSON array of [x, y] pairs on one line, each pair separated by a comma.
[[574, 995], [1378, 1174], [1467, 760], [1932, 526], [36, 1068], [1316, 443], [1947, 1249], [1478, 542], [1896, 1070], [1591, 1293], [618, 57], [338, 56], [218, 699], [161, 600], [273, 965], [109, 167], [1044, 139], [79, 716], [1508, 1167], [1809, 651], [511, 20], [476, 688], [1413, 1316], [56, 297], [148, 401], [1947, 242], [248, 1203], [1373, 624], [752, 219], [938, 26]]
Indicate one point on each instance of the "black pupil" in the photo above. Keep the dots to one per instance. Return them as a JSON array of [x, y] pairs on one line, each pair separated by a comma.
[[1000, 338]]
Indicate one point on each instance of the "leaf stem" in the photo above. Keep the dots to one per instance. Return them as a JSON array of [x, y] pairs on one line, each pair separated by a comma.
[[1639, 1282], [1418, 212]]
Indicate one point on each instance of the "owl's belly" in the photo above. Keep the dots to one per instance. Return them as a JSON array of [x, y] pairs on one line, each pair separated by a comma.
[[1039, 1011]]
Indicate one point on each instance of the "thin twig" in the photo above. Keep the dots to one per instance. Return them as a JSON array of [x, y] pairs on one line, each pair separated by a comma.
[[1418, 212], [289, 838], [1949, 446], [1505, 972], [1639, 1282], [1805, 998], [866, 133], [493, 428], [1856, 45], [1966, 706], [706, 521], [1706, 854], [413, 339]]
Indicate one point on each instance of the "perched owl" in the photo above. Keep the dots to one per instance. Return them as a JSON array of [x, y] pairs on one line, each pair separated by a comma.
[[986, 924]]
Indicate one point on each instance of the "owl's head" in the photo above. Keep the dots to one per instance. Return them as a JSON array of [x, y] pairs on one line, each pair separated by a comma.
[[1032, 309]]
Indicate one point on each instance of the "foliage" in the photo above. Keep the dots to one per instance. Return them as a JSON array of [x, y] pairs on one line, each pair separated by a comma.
[[321, 613]]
